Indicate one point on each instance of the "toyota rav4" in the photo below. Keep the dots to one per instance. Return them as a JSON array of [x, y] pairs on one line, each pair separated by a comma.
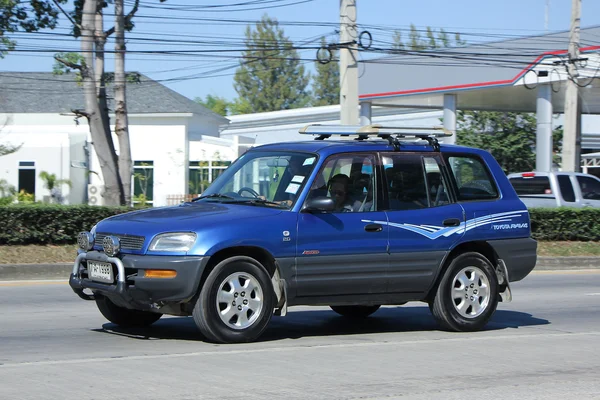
[[381, 217]]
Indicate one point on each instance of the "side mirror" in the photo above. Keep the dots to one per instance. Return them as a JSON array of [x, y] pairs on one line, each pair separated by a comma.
[[319, 204]]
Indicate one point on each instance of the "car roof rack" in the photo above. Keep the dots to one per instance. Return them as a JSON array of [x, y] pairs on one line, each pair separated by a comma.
[[392, 134]]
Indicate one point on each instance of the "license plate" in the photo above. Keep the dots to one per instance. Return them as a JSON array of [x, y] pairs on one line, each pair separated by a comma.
[[100, 271]]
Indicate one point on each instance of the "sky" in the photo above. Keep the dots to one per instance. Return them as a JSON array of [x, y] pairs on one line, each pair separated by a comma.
[[217, 27]]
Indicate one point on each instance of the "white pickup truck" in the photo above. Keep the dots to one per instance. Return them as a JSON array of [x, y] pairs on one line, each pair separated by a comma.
[[556, 189]]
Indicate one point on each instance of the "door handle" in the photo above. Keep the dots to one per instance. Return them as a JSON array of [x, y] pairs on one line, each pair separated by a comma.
[[451, 222], [373, 228]]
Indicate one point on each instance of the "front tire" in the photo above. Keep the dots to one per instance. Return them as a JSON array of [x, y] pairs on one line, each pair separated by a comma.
[[236, 302], [355, 311], [125, 317], [467, 295]]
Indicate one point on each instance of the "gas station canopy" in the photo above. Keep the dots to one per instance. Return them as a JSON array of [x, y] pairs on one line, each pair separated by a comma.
[[497, 76]]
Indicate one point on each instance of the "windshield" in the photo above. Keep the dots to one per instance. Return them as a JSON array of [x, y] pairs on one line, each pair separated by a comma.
[[270, 179]]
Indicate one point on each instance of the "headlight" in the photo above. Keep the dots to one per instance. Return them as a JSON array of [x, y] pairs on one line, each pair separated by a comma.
[[180, 241], [85, 240]]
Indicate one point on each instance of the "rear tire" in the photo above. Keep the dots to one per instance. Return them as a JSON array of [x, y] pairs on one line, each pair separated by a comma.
[[123, 316], [355, 311], [467, 295], [236, 302]]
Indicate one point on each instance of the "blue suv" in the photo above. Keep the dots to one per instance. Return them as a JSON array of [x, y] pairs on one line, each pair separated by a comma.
[[383, 219]]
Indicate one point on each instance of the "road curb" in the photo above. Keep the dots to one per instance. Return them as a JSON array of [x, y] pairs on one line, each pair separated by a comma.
[[567, 263], [15, 272], [35, 271]]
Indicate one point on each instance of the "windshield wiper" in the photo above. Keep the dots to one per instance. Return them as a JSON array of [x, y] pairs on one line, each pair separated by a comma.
[[214, 196], [258, 201]]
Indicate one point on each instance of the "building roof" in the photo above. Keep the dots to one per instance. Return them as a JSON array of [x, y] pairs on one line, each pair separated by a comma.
[[488, 76], [44, 92]]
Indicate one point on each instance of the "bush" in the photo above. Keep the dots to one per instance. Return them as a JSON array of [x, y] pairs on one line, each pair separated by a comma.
[[49, 224], [557, 224], [56, 224]]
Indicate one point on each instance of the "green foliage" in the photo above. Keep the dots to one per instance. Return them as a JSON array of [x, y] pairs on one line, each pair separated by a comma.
[[510, 137], [6, 189], [214, 103], [430, 42], [326, 84], [7, 193], [270, 77], [558, 224], [52, 182], [25, 198], [50, 224], [27, 16], [240, 106], [141, 201]]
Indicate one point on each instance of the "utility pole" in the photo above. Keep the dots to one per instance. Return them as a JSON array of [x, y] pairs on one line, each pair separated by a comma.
[[571, 151], [348, 63]]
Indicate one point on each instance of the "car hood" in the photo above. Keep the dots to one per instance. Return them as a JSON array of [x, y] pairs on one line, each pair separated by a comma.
[[185, 217]]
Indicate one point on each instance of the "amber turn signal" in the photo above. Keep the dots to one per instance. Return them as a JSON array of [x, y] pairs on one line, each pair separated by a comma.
[[159, 273]]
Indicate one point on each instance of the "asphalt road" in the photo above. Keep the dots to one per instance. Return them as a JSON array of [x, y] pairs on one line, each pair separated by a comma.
[[543, 345]]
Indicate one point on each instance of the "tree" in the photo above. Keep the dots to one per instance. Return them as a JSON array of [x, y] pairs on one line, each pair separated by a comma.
[[326, 84], [214, 103], [88, 24], [28, 16], [270, 77], [417, 42], [7, 148], [53, 184], [510, 137]]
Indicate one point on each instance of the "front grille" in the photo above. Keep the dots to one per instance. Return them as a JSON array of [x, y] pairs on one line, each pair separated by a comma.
[[128, 242]]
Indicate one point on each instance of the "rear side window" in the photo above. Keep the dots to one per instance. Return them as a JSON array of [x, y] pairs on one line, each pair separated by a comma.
[[566, 188], [473, 179], [538, 186]]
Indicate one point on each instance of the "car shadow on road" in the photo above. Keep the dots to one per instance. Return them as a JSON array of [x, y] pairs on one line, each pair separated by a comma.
[[307, 323]]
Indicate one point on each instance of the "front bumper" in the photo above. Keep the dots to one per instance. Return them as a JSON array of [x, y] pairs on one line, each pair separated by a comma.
[[131, 289]]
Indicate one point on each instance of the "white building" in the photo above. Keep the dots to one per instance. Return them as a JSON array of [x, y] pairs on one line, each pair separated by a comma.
[[175, 142]]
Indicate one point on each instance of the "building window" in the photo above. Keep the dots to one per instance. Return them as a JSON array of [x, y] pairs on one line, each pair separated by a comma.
[[27, 177], [143, 182], [202, 173]]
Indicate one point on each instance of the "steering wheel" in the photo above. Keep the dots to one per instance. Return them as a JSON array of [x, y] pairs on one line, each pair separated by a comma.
[[249, 190]]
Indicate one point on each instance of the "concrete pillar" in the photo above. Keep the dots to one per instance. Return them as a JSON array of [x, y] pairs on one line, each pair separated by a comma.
[[543, 146], [365, 113], [450, 116]]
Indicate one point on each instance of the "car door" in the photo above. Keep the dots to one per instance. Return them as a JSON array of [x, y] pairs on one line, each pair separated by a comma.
[[423, 220], [337, 252], [589, 187]]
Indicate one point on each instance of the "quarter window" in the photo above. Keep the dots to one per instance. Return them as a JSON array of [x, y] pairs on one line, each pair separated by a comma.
[[473, 179]]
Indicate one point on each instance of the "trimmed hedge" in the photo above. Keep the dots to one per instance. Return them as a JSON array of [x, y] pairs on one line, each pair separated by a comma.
[[50, 224], [55, 224], [558, 224]]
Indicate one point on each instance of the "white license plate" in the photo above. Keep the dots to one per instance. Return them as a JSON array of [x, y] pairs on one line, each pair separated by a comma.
[[100, 271]]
